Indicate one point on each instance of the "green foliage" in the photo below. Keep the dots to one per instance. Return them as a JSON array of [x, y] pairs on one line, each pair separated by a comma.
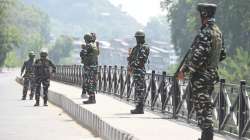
[[11, 60], [23, 28], [237, 67], [61, 49], [233, 17], [158, 29]]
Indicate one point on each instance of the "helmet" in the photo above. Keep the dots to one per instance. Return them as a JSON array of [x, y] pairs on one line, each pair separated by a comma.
[[207, 9], [88, 37], [139, 33], [43, 53], [93, 36], [31, 54]]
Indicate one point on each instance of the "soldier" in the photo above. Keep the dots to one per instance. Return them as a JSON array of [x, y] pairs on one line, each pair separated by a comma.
[[93, 40], [42, 76], [89, 56], [84, 92], [202, 64], [136, 64], [28, 76]]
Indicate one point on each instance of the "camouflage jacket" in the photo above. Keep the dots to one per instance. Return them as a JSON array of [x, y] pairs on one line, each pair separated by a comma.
[[138, 57], [42, 68], [207, 50], [28, 68], [89, 54]]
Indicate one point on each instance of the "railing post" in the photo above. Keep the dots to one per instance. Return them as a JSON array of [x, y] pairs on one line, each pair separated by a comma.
[[222, 103], [153, 90], [121, 81], [242, 108], [163, 91], [115, 79], [104, 78], [99, 78], [175, 96], [109, 80]]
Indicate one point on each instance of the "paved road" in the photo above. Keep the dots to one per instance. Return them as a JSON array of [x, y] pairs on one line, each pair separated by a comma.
[[19, 120]]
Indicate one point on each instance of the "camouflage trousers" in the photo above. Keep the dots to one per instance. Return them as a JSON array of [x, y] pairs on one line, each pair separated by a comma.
[[90, 79], [202, 88], [28, 82], [45, 83], [140, 85]]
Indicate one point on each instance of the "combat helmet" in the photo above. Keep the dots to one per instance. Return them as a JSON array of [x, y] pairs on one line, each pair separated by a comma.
[[88, 37], [31, 54], [43, 53], [140, 33], [207, 9]]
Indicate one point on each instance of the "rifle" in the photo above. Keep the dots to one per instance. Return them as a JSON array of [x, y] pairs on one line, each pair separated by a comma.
[[182, 62], [175, 89]]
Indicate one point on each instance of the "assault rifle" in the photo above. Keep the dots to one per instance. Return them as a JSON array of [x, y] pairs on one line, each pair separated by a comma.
[[175, 89]]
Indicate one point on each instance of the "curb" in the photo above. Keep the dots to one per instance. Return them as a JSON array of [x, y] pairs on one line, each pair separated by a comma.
[[88, 119]]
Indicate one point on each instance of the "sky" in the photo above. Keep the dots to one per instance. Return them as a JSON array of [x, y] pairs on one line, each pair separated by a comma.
[[141, 10]]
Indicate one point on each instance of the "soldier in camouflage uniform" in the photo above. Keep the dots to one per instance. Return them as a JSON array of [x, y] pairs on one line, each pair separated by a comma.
[[42, 68], [28, 76], [202, 64], [89, 56], [93, 40], [136, 63]]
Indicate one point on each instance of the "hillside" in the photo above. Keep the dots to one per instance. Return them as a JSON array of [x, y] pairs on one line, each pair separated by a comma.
[[75, 17]]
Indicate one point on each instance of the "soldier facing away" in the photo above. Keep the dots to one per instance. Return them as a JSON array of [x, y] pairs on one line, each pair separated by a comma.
[[136, 64], [28, 76], [42, 68], [202, 64], [89, 57]]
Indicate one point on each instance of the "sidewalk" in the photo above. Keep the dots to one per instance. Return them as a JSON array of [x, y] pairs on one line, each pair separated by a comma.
[[19, 120], [115, 114]]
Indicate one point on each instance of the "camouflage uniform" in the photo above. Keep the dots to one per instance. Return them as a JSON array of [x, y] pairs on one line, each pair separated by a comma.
[[136, 61], [202, 64], [28, 78], [42, 76], [88, 73], [89, 56]]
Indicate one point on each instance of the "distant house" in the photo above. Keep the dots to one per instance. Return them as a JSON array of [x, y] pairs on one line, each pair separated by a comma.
[[115, 52]]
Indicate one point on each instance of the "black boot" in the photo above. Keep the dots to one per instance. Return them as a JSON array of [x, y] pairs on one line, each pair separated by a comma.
[[207, 134], [24, 98], [37, 100], [37, 103], [91, 100], [45, 103], [139, 109], [31, 96]]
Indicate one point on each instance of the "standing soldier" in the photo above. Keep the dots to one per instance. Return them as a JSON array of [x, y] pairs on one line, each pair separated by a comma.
[[28, 76], [89, 56], [96, 43], [202, 63], [136, 64], [42, 76]]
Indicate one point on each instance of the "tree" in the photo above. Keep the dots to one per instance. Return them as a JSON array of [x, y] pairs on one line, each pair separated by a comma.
[[23, 28], [237, 67], [233, 17], [62, 49], [158, 29]]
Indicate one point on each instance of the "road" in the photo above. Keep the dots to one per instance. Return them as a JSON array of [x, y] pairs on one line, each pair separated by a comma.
[[19, 120]]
